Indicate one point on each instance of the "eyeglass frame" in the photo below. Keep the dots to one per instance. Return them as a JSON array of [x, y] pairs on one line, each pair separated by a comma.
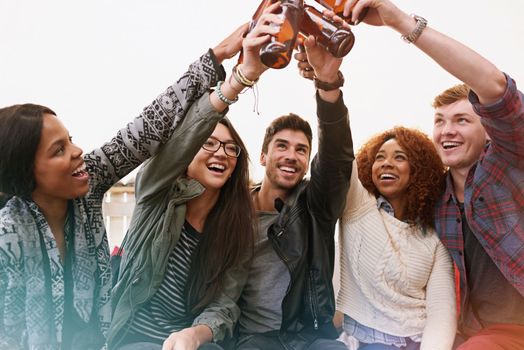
[[223, 145]]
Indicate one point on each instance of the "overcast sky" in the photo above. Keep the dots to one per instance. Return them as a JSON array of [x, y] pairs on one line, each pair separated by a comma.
[[98, 63]]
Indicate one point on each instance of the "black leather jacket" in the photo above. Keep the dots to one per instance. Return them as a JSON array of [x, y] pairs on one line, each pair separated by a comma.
[[303, 234]]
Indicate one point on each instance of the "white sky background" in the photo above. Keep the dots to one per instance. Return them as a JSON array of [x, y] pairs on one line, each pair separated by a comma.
[[98, 63]]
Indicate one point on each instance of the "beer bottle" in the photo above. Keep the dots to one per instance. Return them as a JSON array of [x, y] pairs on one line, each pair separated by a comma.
[[277, 53], [339, 9], [332, 36]]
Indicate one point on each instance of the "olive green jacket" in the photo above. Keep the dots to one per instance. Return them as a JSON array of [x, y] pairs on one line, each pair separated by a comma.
[[162, 191]]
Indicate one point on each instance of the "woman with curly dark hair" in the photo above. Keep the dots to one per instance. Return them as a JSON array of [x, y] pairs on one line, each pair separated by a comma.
[[397, 287]]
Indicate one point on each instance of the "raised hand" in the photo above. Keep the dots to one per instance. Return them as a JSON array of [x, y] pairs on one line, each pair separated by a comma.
[[267, 25], [231, 45], [316, 61], [380, 12]]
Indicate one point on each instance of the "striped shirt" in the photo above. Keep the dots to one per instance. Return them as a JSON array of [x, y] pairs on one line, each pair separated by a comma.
[[166, 312]]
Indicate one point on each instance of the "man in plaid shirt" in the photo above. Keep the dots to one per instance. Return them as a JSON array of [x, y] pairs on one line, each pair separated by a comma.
[[479, 134], [480, 217], [478, 131]]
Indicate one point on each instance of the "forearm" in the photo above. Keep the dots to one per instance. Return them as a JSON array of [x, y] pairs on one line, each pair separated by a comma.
[[230, 89], [335, 140], [145, 135], [329, 96], [159, 172], [331, 168], [441, 324], [459, 60]]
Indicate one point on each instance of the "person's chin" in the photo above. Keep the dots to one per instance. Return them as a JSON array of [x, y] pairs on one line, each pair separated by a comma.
[[289, 184]]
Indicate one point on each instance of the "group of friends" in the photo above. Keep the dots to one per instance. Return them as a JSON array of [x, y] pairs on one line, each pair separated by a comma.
[[211, 262]]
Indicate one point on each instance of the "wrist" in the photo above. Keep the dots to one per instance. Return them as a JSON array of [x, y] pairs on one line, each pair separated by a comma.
[[226, 93], [331, 84], [328, 79], [413, 35], [249, 75], [219, 54], [202, 334], [235, 85], [405, 24]]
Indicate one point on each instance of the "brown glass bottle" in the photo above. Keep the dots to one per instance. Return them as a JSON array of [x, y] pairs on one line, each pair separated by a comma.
[[277, 53], [336, 39], [339, 9]]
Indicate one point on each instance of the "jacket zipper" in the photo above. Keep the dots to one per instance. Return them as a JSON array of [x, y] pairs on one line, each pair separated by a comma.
[[313, 302]]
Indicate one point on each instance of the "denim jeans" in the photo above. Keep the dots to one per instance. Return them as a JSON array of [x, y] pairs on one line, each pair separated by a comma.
[[154, 346]]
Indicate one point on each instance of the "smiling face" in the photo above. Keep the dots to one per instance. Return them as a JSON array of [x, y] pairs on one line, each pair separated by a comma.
[[458, 135], [59, 168], [286, 160], [213, 169], [390, 172]]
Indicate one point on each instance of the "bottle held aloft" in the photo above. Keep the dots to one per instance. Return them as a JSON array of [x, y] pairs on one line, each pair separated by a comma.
[[329, 34], [278, 52]]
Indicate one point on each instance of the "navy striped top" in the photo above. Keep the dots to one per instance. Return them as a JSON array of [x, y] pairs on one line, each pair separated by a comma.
[[166, 311]]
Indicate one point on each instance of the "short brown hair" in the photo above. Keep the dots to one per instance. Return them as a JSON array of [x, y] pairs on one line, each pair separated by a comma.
[[427, 173], [451, 95], [290, 121]]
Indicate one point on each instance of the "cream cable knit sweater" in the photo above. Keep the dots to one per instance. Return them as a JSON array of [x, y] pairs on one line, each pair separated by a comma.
[[393, 277]]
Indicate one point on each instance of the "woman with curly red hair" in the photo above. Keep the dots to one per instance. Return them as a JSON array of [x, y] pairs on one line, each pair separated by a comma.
[[397, 287]]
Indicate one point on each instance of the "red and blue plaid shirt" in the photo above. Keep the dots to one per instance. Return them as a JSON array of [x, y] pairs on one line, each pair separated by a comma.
[[494, 193]]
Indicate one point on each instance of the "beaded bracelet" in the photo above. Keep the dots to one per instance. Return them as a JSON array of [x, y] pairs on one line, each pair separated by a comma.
[[221, 96]]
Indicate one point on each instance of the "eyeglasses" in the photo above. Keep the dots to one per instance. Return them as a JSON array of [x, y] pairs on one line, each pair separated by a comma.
[[231, 149]]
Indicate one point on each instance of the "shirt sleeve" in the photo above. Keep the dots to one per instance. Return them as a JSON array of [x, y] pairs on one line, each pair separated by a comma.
[[441, 309], [331, 167], [145, 135], [504, 122]]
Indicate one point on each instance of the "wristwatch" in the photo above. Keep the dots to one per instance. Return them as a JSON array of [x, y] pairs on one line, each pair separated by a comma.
[[413, 36], [322, 85]]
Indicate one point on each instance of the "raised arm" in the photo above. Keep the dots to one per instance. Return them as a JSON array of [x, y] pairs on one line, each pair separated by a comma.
[[144, 136], [331, 167], [481, 75], [171, 162]]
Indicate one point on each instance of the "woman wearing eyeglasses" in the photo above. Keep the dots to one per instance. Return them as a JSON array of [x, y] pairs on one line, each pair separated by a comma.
[[191, 238], [191, 234]]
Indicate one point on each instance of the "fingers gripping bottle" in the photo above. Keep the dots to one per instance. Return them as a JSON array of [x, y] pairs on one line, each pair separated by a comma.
[[278, 52], [339, 9], [332, 36]]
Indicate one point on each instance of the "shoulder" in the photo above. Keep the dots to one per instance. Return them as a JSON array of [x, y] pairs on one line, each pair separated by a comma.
[[13, 213]]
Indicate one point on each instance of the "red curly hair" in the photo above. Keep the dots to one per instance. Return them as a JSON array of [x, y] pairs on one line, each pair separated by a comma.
[[427, 173]]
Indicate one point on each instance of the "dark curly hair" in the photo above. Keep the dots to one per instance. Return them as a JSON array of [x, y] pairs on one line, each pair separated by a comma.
[[427, 173]]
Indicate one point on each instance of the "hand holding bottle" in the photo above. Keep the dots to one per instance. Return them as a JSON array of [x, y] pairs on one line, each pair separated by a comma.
[[316, 61], [266, 27], [380, 12], [231, 45]]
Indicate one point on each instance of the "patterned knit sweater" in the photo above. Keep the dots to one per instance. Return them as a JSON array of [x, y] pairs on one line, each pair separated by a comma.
[[31, 275], [394, 277]]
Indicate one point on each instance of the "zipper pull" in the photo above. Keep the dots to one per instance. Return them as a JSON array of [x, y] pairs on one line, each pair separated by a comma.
[[280, 233]]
